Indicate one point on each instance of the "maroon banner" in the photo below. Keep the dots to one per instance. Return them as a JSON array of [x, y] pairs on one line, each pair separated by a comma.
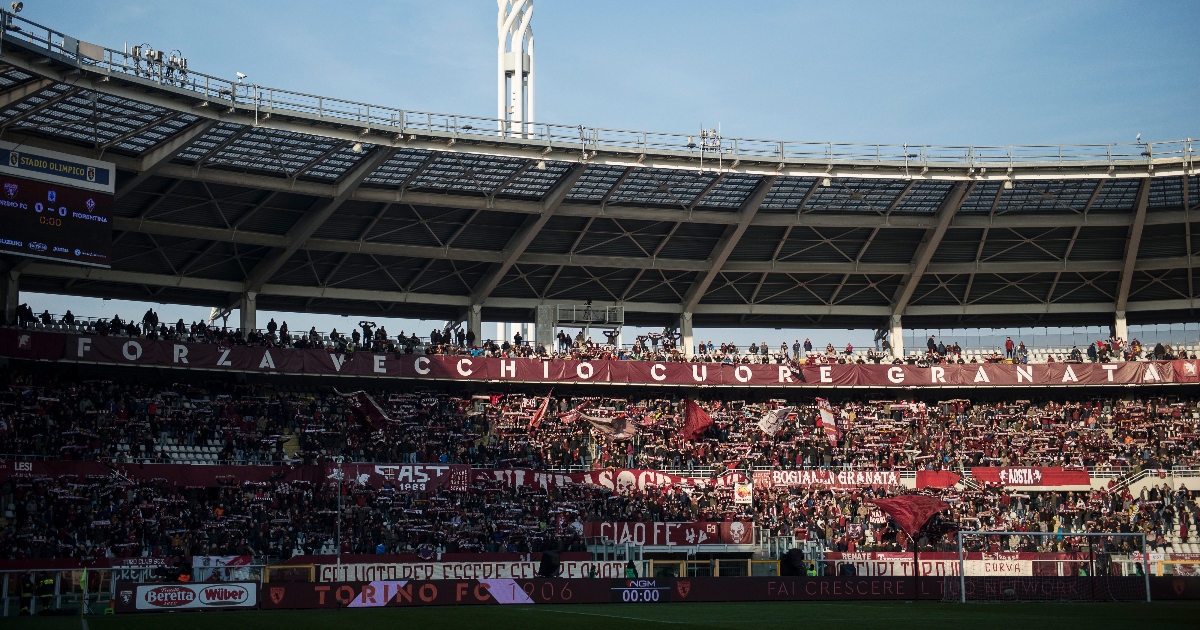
[[1031, 476], [937, 479], [619, 480], [673, 534], [828, 478], [125, 351], [408, 477]]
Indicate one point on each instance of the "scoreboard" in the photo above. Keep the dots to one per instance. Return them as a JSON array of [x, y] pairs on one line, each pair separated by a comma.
[[55, 206], [640, 590]]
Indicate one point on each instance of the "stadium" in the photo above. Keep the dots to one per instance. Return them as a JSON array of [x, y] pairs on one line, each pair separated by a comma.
[[263, 475]]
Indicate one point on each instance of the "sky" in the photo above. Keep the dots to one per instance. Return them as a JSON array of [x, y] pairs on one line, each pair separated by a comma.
[[949, 73]]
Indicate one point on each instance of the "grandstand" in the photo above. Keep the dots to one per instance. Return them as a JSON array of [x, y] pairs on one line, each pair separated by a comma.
[[156, 452]]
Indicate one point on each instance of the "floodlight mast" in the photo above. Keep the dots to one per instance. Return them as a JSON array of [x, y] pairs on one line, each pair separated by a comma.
[[515, 67]]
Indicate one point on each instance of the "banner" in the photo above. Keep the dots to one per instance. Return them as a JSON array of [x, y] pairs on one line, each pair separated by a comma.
[[479, 570], [830, 478], [619, 480], [48, 346], [937, 479], [221, 568], [1031, 477], [145, 597], [408, 477], [672, 534], [941, 563]]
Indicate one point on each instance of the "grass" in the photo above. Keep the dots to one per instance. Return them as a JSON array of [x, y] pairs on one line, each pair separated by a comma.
[[756, 615]]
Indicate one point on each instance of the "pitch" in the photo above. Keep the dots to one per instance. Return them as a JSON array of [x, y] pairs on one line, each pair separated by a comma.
[[758, 615]]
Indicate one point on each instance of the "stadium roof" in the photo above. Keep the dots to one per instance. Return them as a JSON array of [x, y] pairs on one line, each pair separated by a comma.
[[321, 204]]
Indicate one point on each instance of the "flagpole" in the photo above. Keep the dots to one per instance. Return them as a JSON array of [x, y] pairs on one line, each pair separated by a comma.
[[338, 476]]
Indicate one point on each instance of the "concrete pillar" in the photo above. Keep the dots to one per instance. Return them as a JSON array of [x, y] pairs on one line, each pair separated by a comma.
[[1120, 328], [500, 332], [10, 294], [896, 337], [475, 323], [248, 312], [546, 318], [686, 343]]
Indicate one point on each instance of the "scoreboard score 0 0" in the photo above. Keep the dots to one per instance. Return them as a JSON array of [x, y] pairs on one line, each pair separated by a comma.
[[55, 206], [640, 591]]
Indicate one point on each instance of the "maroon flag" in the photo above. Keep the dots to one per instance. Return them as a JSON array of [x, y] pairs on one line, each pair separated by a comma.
[[571, 416], [366, 407], [536, 420], [911, 511], [695, 421]]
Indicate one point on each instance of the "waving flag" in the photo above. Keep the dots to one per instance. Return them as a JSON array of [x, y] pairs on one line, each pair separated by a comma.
[[829, 421], [365, 406], [536, 420], [695, 421], [773, 420]]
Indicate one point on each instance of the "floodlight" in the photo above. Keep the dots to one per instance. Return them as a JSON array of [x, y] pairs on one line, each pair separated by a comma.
[[17, 6], [357, 148], [240, 76]]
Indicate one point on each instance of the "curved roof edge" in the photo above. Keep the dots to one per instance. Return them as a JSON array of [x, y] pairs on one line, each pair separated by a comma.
[[165, 82]]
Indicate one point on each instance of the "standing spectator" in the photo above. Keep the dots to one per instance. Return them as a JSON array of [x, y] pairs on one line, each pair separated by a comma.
[[1009, 346], [807, 345], [1091, 352], [796, 350]]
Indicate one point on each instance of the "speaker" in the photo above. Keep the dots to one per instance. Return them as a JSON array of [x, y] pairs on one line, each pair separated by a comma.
[[550, 564], [792, 563]]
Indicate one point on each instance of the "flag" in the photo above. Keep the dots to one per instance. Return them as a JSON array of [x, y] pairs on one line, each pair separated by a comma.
[[571, 416], [743, 493], [366, 407], [773, 420], [695, 421], [911, 511], [829, 421], [536, 420], [616, 428]]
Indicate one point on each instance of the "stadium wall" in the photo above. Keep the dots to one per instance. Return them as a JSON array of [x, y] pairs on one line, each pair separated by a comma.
[[134, 597]]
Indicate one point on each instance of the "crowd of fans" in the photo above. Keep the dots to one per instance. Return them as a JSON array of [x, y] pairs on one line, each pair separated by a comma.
[[133, 421], [651, 347], [120, 421]]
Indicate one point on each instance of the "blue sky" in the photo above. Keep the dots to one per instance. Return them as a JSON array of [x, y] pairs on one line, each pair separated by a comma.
[[917, 72]]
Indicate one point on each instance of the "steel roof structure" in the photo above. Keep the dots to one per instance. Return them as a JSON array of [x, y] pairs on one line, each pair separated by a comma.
[[319, 204]]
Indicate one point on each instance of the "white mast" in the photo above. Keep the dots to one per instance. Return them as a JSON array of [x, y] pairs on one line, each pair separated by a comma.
[[515, 66]]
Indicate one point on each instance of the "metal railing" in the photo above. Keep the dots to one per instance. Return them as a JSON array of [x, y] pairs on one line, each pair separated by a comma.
[[170, 72]]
